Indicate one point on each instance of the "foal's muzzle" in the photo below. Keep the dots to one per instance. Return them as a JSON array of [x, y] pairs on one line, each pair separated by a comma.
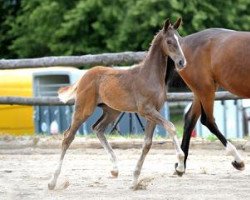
[[181, 63]]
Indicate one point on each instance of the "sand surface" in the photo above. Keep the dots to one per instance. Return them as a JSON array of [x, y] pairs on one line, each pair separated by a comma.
[[24, 174]]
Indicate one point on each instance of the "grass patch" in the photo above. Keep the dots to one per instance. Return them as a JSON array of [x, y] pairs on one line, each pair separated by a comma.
[[177, 120], [211, 138]]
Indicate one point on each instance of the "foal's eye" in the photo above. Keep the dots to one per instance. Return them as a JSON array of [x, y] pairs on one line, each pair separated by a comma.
[[169, 42]]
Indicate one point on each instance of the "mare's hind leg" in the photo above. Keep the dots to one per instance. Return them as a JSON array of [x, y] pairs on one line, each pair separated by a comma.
[[108, 116], [207, 119], [191, 118], [83, 109], [145, 149]]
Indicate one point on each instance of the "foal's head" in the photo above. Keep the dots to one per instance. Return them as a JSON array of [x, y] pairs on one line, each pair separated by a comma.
[[171, 45]]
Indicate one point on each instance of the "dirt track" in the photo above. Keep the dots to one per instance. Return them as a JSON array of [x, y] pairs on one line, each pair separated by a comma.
[[24, 174]]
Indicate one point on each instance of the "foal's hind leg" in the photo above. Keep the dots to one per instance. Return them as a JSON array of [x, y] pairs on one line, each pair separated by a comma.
[[108, 116], [69, 136], [83, 109], [207, 119], [145, 149]]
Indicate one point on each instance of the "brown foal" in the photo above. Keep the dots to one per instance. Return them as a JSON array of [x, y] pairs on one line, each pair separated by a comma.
[[140, 89]]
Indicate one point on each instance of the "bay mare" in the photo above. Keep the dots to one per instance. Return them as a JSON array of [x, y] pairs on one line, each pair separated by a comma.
[[140, 89], [215, 58]]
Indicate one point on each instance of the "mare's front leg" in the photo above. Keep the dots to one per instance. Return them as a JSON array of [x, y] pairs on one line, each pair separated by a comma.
[[145, 149], [108, 116], [191, 118]]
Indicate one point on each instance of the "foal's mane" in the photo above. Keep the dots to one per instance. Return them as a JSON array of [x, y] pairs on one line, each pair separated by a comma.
[[156, 41]]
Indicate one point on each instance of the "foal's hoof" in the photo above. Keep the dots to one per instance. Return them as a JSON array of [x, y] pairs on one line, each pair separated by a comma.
[[51, 186], [134, 187], [114, 173], [179, 173], [240, 166]]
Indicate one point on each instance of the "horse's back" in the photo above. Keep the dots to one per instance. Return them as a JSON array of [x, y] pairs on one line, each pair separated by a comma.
[[221, 55]]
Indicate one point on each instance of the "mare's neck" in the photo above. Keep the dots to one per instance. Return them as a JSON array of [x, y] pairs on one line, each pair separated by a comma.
[[154, 65]]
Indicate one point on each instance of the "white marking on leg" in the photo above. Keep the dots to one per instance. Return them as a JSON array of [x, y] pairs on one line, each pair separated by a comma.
[[53, 181], [231, 150], [110, 152], [180, 154]]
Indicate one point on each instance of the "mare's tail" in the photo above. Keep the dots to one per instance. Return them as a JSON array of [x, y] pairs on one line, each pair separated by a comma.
[[67, 93]]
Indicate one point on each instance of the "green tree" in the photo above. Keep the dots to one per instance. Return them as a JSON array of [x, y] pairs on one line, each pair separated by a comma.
[[142, 21], [35, 25], [61, 27], [87, 27], [8, 12]]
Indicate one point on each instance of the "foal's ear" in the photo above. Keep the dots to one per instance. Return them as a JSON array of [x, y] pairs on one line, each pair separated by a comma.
[[177, 23], [167, 24]]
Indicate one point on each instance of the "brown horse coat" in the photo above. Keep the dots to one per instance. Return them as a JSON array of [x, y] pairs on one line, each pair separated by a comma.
[[140, 89], [215, 58]]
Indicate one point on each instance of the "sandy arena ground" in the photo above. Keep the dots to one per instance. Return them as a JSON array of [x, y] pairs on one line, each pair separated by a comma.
[[24, 174]]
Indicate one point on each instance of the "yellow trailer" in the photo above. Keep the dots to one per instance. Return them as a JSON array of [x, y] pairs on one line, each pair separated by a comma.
[[15, 119], [19, 119]]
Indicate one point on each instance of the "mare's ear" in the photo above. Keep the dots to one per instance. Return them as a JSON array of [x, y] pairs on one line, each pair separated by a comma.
[[167, 24], [177, 23]]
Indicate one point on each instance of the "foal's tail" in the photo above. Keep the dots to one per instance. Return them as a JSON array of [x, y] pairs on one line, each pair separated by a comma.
[[67, 93]]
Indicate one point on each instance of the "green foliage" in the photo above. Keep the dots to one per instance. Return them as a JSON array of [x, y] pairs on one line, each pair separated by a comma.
[[61, 27], [211, 138]]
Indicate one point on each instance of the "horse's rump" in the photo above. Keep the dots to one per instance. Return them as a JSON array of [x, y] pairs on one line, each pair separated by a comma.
[[67, 93]]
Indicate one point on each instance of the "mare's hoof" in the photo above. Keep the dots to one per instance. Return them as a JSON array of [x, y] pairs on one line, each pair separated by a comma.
[[240, 166], [114, 173], [178, 172], [51, 186]]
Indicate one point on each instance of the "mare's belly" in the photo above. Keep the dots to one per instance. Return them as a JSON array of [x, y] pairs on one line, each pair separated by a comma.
[[236, 83]]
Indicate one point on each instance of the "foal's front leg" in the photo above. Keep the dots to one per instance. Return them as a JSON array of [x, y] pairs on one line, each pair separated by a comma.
[[146, 147], [156, 117]]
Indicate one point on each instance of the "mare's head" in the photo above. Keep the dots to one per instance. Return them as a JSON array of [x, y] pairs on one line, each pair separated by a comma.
[[171, 45]]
